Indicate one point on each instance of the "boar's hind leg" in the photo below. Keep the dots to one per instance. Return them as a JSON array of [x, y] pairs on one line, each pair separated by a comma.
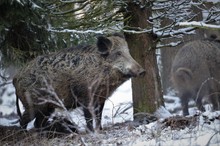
[[42, 117], [26, 118], [184, 99]]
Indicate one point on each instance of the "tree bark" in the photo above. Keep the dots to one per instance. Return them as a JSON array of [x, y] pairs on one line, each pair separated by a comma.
[[147, 93]]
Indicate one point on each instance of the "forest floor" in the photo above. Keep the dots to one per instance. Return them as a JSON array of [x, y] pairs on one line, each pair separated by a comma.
[[165, 127], [200, 129]]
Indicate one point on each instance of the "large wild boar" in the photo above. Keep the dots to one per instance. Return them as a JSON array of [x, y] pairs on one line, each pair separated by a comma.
[[82, 76], [195, 73]]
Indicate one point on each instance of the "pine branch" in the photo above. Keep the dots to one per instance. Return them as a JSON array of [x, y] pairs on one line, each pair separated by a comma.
[[72, 10]]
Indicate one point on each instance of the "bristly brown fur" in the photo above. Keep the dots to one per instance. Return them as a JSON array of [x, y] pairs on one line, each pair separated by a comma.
[[78, 76]]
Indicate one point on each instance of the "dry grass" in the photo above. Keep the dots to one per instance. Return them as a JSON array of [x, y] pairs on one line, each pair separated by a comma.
[[115, 134], [17, 136]]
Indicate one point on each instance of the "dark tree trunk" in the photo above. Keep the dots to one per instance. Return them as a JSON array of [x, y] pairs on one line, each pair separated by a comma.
[[147, 93]]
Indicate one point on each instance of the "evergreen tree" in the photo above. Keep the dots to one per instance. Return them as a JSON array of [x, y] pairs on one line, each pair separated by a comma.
[[23, 32]]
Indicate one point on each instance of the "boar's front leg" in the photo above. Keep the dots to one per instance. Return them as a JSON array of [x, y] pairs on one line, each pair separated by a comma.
[[98, 113], [214, 96], [199, 103], [89, 114], [88, 118], [81, 95], [215, 100]]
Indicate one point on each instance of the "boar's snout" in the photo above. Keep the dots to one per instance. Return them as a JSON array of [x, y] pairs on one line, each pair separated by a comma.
[[140, 72], [135, 73]]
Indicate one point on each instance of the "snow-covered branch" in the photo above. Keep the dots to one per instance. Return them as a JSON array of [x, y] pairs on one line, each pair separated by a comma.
[[137, 31], [172, 44], [199, 24], [79, 31], [174, 32]]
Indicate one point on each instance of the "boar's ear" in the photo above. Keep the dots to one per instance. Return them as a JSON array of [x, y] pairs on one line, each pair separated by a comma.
[[104, 45]]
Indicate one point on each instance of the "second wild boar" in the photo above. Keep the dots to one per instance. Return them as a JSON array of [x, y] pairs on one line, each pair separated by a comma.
[[195, 73]]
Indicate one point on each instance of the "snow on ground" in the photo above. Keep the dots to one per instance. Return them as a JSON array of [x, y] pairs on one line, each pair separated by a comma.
[[117, 109], [202, 134], [7, 105]]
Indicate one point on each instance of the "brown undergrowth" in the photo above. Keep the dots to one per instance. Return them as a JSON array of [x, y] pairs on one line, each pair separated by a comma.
[[119, 134]]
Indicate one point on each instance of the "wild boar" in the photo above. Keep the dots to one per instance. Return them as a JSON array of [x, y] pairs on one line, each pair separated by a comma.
[[81, 76], [195, 73]]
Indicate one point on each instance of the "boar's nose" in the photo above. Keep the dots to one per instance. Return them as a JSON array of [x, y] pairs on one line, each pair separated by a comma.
[[141, 72]]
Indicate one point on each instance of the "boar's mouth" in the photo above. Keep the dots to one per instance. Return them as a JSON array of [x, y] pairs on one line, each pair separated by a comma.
[[132, 74]]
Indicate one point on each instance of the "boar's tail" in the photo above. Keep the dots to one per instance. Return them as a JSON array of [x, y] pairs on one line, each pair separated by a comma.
[[184, 74], [18, 108]]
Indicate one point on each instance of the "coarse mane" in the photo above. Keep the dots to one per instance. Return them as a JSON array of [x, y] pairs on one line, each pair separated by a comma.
[[81, 48]]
